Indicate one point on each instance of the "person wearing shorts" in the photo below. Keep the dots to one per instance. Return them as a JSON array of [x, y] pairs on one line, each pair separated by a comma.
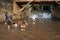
[[8, 21]]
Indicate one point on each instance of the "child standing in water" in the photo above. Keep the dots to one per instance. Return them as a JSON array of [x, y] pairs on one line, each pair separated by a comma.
[[15, 25], [23, 26], [20, 21], [33, 20]]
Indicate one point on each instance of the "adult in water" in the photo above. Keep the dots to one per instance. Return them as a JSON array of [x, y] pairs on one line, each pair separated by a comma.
[[8, 20]]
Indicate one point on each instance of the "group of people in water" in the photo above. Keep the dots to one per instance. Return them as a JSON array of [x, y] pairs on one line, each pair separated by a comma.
[[10, 23], [20, 23]]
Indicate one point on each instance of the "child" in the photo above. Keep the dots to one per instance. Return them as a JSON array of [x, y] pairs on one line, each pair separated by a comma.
[[23, 26], [15, 25], [20, 21]]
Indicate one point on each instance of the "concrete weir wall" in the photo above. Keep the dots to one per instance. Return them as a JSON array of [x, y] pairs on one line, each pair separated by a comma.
[[56, 12]]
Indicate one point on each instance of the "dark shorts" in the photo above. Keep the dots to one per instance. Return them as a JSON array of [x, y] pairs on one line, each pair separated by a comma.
[[8, 22]]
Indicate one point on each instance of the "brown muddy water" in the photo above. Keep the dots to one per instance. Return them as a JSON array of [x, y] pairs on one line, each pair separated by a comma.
[[41, 30]]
